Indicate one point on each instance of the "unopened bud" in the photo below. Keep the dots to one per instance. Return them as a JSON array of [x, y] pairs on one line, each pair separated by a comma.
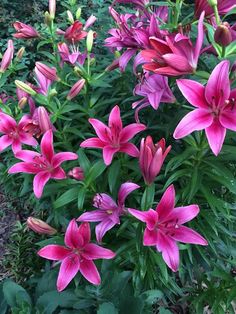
[[53, 92], [47, 18], [89, 41], [70, 17], [49, 72], [75, 89], [22, 102], [20, 53], [223, 35], [114, 65], [77, 70], [117, 54], [212, 3], [76, 173], [72, 2], [40, 226], [52, 8], [26, 88], [44, 120], [78, 13]]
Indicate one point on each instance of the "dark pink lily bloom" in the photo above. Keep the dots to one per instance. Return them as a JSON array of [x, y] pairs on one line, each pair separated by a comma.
[[38, 122], [114, 138], [75, 33], [109, 211], [164, 227], [7, 56], [224, 6], [176, 56], [45, 166], [14, 133], [43, 82], [24, 31], [215, 107], [155, 89], [151, 157], [76, 256]]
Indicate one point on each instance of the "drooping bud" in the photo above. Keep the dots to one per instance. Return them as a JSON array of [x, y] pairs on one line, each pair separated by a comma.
[[223, 35], [70, 17], [26, 88], [52, 8], [40, 226], [89, 41], [49, 72], [76, 173], [75, 89], [78, 13]]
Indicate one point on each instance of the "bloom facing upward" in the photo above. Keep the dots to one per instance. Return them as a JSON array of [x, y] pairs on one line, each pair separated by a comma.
[[14, 134], [24, 31], [175, 56], [45, 166], [164, 227], [75, 33], [7, 56], [109, 211], [152, 157], [78, 255], [215, 107], [114, 138]]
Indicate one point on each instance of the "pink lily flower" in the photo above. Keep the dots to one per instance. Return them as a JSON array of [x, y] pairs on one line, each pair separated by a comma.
[[14, 133], [7, 57], [114, 138], [45, 166], [24, 31], [224, 6], [109, 211], [176, 56], [72, 56], [43, 83], [164, 227], [77, 256], [151, 157], [155, 89], [215, 107]]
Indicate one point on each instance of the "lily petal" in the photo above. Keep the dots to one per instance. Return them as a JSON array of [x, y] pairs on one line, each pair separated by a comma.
[[73, 238], [187, 235], [68, 270], [39, 182], [194, 92], [92, 251], [215, 135], [54, 252], [90, 272]]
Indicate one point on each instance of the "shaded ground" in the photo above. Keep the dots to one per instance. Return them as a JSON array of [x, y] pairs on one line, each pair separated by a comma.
[[8, 218]]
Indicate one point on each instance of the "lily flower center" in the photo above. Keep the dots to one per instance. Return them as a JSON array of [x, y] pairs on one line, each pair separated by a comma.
[[115, 135], [42, 163], [14, 134]]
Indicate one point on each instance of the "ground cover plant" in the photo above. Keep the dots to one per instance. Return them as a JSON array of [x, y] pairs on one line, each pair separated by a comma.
[[117, 128]]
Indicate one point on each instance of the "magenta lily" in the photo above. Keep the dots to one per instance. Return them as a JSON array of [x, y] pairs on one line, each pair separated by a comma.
[[43, 82], [215, 107], [151, 157], [114, 138], [14, 134], [155, 89], [176, 56], [77, 256], [71, 55], [45, 166], [7, 56], [109, 211], [164, 227]]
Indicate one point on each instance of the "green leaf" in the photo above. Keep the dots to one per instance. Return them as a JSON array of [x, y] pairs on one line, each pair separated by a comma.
[[148, 197], [66, 198], [106, 308], [14, 294], [96, 170], [113, 175], [81, 197]]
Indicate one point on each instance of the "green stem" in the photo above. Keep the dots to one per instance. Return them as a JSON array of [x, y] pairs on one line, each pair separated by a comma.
[[216, 15], [223, 52]]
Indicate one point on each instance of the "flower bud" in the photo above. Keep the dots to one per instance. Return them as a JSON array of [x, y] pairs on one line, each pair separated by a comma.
[[78, 13], [76, 173], [48, 72], [40, 226], [26, 88], [47, 19], [90, 21], [89, 41], [20, 53], [223, 35], [53, 92], [114, 65], [212, 3], [70, 17], [44, 120], [7, 56], [52, 8], [75, 89], [22, 102]]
